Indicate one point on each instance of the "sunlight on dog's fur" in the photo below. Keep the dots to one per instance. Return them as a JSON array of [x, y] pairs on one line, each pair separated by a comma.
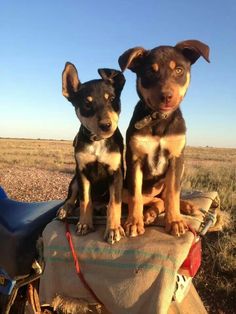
[[68, 305]]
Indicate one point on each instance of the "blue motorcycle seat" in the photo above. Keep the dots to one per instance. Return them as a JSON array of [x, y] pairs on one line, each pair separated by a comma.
[[15, 216], [21, 224]]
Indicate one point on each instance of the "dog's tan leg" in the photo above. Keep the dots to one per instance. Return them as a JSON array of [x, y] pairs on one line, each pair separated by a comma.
[[85, 224], [134, 224], [171, 195], [114, 231], [69, 204], [149, 198]]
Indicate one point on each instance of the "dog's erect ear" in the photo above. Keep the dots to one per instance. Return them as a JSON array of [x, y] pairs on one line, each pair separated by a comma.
[[131, 58], [70, 81], [193, 49], [114, 77]]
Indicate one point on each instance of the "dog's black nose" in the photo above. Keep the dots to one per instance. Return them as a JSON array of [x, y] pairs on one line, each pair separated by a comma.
[[105, 126], [166, 97]]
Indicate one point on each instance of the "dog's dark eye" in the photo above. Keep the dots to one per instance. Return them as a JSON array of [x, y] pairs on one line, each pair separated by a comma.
[[87, 106], [179, 70], [87, 103], [111, 98]]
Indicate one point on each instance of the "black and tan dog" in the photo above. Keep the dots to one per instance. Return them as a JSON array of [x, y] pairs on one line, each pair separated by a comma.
[[156, 134], [98, 149]]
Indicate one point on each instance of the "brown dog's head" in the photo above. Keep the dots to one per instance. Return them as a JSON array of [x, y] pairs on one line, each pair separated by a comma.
[[163, 73]]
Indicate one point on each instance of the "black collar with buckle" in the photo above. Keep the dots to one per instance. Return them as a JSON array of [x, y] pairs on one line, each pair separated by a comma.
[[87, 134], [91, 136], [150, 119]]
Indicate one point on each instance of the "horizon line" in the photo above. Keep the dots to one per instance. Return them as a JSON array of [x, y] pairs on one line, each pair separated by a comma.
[[71, 140]]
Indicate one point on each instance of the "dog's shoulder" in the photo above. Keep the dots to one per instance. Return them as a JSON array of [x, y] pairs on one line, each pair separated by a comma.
[[75, 141], [80, 141], [140, 111], [176, 124], [116, 142]]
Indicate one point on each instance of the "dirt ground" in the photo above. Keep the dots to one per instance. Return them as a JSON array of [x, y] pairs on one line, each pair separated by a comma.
[[33, 185]]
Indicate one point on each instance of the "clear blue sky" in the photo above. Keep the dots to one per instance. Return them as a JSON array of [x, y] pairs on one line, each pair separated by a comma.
[[38, 37]]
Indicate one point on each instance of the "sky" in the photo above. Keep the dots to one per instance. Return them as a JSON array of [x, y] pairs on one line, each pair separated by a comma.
[[38, 37]]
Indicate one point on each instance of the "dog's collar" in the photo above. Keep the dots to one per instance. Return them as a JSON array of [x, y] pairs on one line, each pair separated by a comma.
[[91, 136], [149, 119]]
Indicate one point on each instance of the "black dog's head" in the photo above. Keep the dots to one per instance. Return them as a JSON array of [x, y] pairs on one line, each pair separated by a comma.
[[163, 73], [96, 102]]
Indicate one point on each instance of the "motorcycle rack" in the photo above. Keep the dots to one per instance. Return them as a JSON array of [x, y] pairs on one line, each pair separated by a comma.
[[20, 283]]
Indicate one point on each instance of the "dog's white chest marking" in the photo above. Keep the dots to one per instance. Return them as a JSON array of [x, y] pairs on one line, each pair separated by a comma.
[[156, 150], [158, 168], [147, 147], [97, 151], [174, 144]]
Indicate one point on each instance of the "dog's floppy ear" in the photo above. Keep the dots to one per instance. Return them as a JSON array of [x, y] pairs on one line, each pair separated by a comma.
[[130, 59], [70, 81], [193, 49], [114, 77]]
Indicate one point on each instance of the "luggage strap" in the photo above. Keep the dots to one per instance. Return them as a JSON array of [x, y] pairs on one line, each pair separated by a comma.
[[77, 266]]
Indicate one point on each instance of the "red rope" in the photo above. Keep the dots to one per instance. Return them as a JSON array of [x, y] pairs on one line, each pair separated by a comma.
[[77, 266]]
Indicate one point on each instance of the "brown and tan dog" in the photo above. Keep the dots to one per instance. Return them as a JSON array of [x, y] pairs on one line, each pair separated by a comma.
[[155, 137]]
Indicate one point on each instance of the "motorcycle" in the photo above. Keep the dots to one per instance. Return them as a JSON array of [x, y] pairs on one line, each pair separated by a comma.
[[21, 262]]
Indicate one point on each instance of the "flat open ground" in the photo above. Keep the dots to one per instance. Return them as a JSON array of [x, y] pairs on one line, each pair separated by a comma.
[[39, 170]]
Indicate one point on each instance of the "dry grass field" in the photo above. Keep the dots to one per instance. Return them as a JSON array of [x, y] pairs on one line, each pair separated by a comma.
[[37, 170]]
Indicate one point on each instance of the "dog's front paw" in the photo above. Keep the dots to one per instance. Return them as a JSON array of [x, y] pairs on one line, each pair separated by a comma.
[[65, 211], [134, 226], [176, 226], [84, 228], [61, 213], [113, 235]]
